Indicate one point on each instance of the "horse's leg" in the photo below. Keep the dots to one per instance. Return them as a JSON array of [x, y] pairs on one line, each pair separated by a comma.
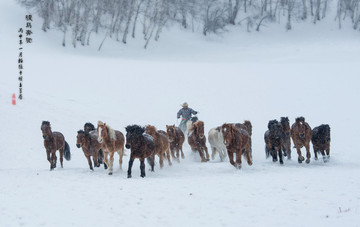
[[300, 157], [111, 162], [106, 161], [231, 157], [213, 152], [48, 156], [248, 156], [238, 159], [89, 161], [53, 160], [161, 160], [121, 155], [280, 155], [61, 151], [131, 161], [201, 153], [308, 155], [323, 154], [328, 154], [172, 149], [207, 153], [152, 162], [274, 155], [168, 156], [96, 159], [315, 152], [142, 167], [182, 153]]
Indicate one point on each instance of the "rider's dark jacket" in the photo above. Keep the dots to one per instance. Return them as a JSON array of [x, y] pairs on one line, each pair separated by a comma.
[[186, 113]]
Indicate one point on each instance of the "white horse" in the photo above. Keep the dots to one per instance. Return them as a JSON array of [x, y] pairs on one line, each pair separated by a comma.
[[217, 145]]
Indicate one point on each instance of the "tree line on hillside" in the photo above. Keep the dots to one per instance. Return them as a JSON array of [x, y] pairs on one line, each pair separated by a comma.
[[120, 19]]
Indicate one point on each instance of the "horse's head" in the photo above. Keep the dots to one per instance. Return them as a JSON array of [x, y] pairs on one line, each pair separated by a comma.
[[228, 133], [324, 132], [248, 126], [80, 138], [46, 129], [285, 124], [151, 130], [170, 130], [198, 129], [275, 129], [301, 127], [102, 131], [133, 132], [88, 127]]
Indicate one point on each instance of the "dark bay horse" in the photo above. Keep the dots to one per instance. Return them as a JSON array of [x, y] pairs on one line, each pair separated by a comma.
[[236, 140], [301, 136], [197, 140], [111, 141], [141, 145], [321, 141], [274, 138], [90, 146], [286, 146], [162, 144], [54, 141], [176, 138]]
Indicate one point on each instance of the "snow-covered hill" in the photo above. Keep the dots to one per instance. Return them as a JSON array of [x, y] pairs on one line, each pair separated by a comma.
[[239, 76]]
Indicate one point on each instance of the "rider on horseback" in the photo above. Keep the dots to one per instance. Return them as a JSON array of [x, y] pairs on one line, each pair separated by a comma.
[[186, 113]]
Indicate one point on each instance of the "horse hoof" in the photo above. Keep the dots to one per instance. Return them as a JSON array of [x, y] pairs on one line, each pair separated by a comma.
[[110, 173], [129, 176], [281, 162], [299, 160], [142, 176], [183, 156], [307, 161]]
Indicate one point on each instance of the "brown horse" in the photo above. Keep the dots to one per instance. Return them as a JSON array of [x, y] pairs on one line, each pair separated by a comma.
[[54, 141], [321, 141], [142, 146], [286, 146], [162, 144], [197, 140], [90, 146], [176, 138], [301, 136], [274, 138], [247, 126], [236, 140], [91, 130], [111, 141]]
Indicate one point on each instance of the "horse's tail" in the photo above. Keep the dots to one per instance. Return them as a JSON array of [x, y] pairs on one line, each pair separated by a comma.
[[67, 153]]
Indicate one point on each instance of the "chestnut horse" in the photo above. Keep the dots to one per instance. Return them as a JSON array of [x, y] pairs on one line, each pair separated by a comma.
[[111, 141], [142, 146], [286, 145], [301, 136], [90, 146], [162, 144], [321, 141], [197, 140], [54, 141], [274, 138], [236, 140], [247, 126], [176, 138]]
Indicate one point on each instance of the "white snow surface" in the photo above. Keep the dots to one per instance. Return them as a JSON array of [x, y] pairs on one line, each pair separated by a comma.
[[312, 71]]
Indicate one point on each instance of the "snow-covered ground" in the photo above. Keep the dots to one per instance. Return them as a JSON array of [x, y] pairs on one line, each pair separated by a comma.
[[312, 71]]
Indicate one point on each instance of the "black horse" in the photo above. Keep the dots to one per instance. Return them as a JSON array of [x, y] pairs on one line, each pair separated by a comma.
[[321, 141], [274, 138], [141, 145]]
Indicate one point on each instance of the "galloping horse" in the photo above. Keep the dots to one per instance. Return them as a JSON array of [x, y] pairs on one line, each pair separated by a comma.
[[274, 138], [286, 146], [90, 146], [90, 129], [301, 136], [321, 141], [142, 146], [162, 144], [216, 140], [54, 141], [236, 140], [197, 140], [111, 141], [176, 138]]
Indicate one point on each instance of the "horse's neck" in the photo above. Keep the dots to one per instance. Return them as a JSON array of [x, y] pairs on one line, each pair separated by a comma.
[[50, 137], [139, 140]]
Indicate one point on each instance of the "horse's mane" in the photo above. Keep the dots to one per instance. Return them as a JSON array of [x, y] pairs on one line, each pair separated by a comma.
[[135, 129], [272, 123], [150, 129], [91, 126], [300, 119], [110, 130]]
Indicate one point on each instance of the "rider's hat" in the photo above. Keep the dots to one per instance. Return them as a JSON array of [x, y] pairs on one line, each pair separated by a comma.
[[185, 105]]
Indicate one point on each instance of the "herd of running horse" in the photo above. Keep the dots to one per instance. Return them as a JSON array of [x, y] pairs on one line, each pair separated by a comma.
[[102, 142]]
